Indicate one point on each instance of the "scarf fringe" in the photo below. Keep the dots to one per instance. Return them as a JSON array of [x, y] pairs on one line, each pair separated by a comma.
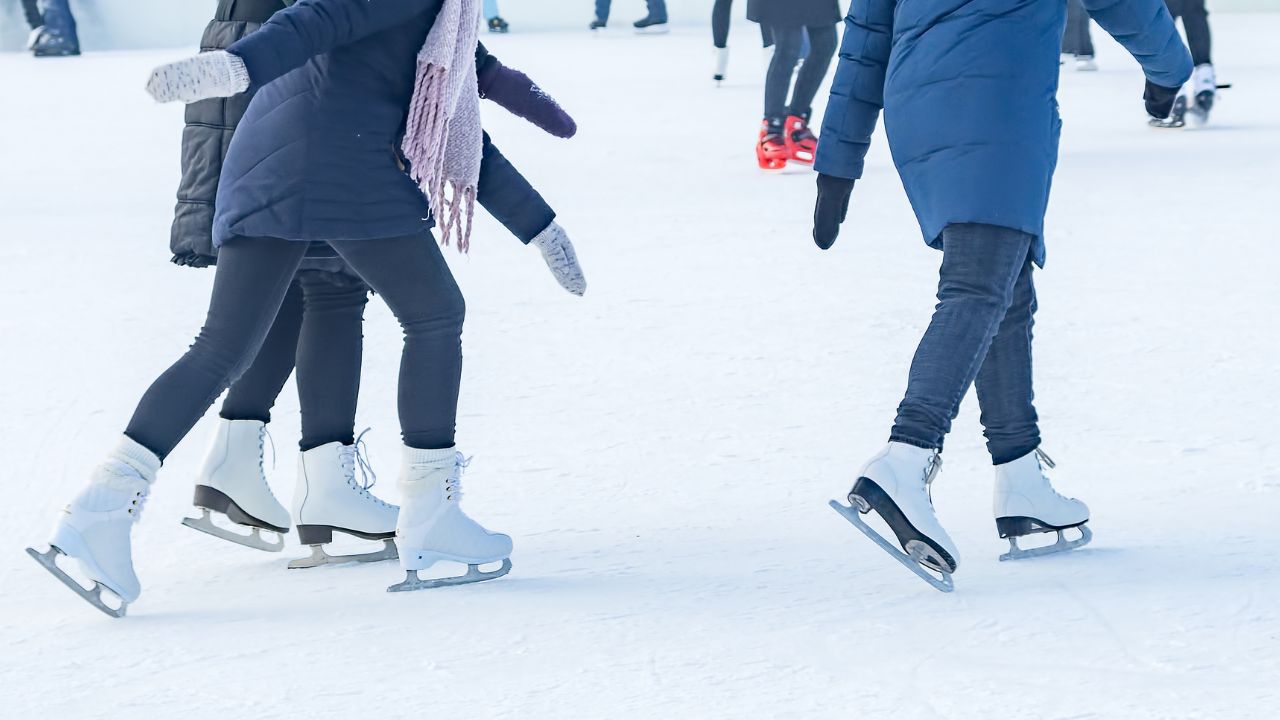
[[426, 134]]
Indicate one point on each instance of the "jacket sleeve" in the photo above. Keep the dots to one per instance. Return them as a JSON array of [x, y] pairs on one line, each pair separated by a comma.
[[509, 197], [857, 92], [1146, 30], [314, 27]]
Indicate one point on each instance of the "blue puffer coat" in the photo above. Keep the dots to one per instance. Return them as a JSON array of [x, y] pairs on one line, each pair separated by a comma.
[[968, 90], [316, 156]]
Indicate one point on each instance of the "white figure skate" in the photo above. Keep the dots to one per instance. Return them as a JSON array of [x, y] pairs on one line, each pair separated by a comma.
[[895, 483], [1026, 504], [95, 528], [432, 526], [1204, 90], [329, 499], [234, 484], [722, 65]]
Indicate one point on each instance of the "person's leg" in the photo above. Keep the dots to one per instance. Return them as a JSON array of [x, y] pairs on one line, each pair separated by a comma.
[[330, 351], [411, 276], [658, 9], [778, 79], [1195, 20], [490, 9], [721, 14], [602, 10], [822, 47], [252, 279], [766, 36], [980, 265], [1076, 40], [1004, 383], [254, 394], [32, 11]]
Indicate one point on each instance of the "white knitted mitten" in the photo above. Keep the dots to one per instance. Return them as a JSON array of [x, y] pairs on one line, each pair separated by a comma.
[[558, 252], [207, 75]]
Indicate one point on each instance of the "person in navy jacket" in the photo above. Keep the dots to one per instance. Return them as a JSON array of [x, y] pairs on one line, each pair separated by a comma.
[[968, 93]]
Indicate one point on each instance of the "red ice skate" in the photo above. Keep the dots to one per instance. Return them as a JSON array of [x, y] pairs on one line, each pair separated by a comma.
[[802, 144], [771, 150]]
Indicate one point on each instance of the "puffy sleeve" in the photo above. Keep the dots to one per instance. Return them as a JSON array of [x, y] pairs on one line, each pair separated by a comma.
[[1146, 30], [857, 91]]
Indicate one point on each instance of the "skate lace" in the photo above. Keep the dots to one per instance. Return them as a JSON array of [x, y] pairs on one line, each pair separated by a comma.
[[1046, 462], [138, 499], [453, 485], [930, 472], [265, 434], [357, 455]]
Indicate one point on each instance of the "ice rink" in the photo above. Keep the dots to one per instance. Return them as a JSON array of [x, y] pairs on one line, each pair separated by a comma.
[[663, 449]]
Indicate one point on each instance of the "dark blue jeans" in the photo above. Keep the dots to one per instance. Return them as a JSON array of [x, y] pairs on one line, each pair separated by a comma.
[[980, 332], [656, 7]]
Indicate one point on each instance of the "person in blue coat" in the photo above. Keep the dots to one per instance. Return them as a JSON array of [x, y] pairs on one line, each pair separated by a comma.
[[319, 158], [968, 93]]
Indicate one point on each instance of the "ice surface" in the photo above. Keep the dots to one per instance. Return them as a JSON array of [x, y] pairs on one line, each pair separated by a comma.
[[663, 450]]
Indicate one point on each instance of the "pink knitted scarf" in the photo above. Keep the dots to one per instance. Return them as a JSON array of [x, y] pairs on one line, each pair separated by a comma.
[[443, 139]]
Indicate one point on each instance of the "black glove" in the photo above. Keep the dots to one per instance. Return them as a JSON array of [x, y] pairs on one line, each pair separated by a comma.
[[831, 208], [1159, 100]]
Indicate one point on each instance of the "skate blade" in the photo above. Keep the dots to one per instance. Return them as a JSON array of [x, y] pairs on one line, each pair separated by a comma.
[[1061, 546], [320, 557], [254, 540], [912, 561], [474, 575], [48, 560]]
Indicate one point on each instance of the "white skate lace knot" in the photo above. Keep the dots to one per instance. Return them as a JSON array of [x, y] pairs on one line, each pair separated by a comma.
[[1046, 462], [357, 454]]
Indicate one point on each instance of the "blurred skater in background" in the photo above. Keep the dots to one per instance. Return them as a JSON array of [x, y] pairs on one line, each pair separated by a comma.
[[1076, 41], [784, 132], [494, 18], [53, 28], [721, 16], [653, 23], [1197, 98]]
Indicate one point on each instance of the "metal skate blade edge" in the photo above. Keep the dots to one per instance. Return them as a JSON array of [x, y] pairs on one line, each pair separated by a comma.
[[1060, 546], [474, 575], [92, 596], [320, 557], [942, 584], [255, 540]]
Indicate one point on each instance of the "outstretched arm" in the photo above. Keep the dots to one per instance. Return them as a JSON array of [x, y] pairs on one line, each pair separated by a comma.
[[1146, 30], [313, 27], [857, 92]]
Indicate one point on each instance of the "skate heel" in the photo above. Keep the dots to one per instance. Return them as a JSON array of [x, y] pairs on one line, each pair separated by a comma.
[[315, 534], [211, 500], [913, 542], [1017, 526]]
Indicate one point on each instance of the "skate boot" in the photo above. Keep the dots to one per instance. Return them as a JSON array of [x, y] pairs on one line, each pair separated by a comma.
[[498, 25], [1204, 87], [234, 484], [46, 41], [432, 526], [771, 148], [802, 144], [895, 484], [1026, 504], [1086, 63], [329, 499], [95, 528], [722, 65], [1177, 116], [599, 24], [651, 25]]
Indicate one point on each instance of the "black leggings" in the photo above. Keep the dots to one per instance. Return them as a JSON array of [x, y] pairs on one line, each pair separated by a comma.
[[1076, 40], [1195, 21], [822, 47], [318, 328], [721, 14], [254, 276]]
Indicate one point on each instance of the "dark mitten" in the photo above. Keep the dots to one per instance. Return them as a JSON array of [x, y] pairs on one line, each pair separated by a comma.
[[1159, 100], [521, 96], [831, 208]]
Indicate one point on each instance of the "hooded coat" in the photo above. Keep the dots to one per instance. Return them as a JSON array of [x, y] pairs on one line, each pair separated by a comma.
[[968, 89]]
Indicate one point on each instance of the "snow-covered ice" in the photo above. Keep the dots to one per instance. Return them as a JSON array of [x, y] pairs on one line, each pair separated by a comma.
[[663, 450]]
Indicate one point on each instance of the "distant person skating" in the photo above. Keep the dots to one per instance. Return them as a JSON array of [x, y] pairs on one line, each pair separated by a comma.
[[53, 28], [1077, 41], [653, 23], [721, 15], [1197, 98], [968, 93], [494, 18], [784, 132]]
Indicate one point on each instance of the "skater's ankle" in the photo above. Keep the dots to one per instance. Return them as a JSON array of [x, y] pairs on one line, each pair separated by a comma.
[[429, 456], [137, 456]]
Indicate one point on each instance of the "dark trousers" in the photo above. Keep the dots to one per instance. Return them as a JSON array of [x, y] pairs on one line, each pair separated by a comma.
[[1195, 21], [721, 14], [980, 332], [253, 278], [31, 10], [319, 328], [1076, 40], [789, 42]]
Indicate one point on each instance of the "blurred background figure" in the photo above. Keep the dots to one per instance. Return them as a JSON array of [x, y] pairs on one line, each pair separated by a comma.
[[721, 15], [785, 133], [1204, 82], [494, 18], [1076, 41], [53, 28], [654, 22]]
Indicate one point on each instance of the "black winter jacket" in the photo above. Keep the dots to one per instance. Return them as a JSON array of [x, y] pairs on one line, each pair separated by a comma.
[[792, 13]]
